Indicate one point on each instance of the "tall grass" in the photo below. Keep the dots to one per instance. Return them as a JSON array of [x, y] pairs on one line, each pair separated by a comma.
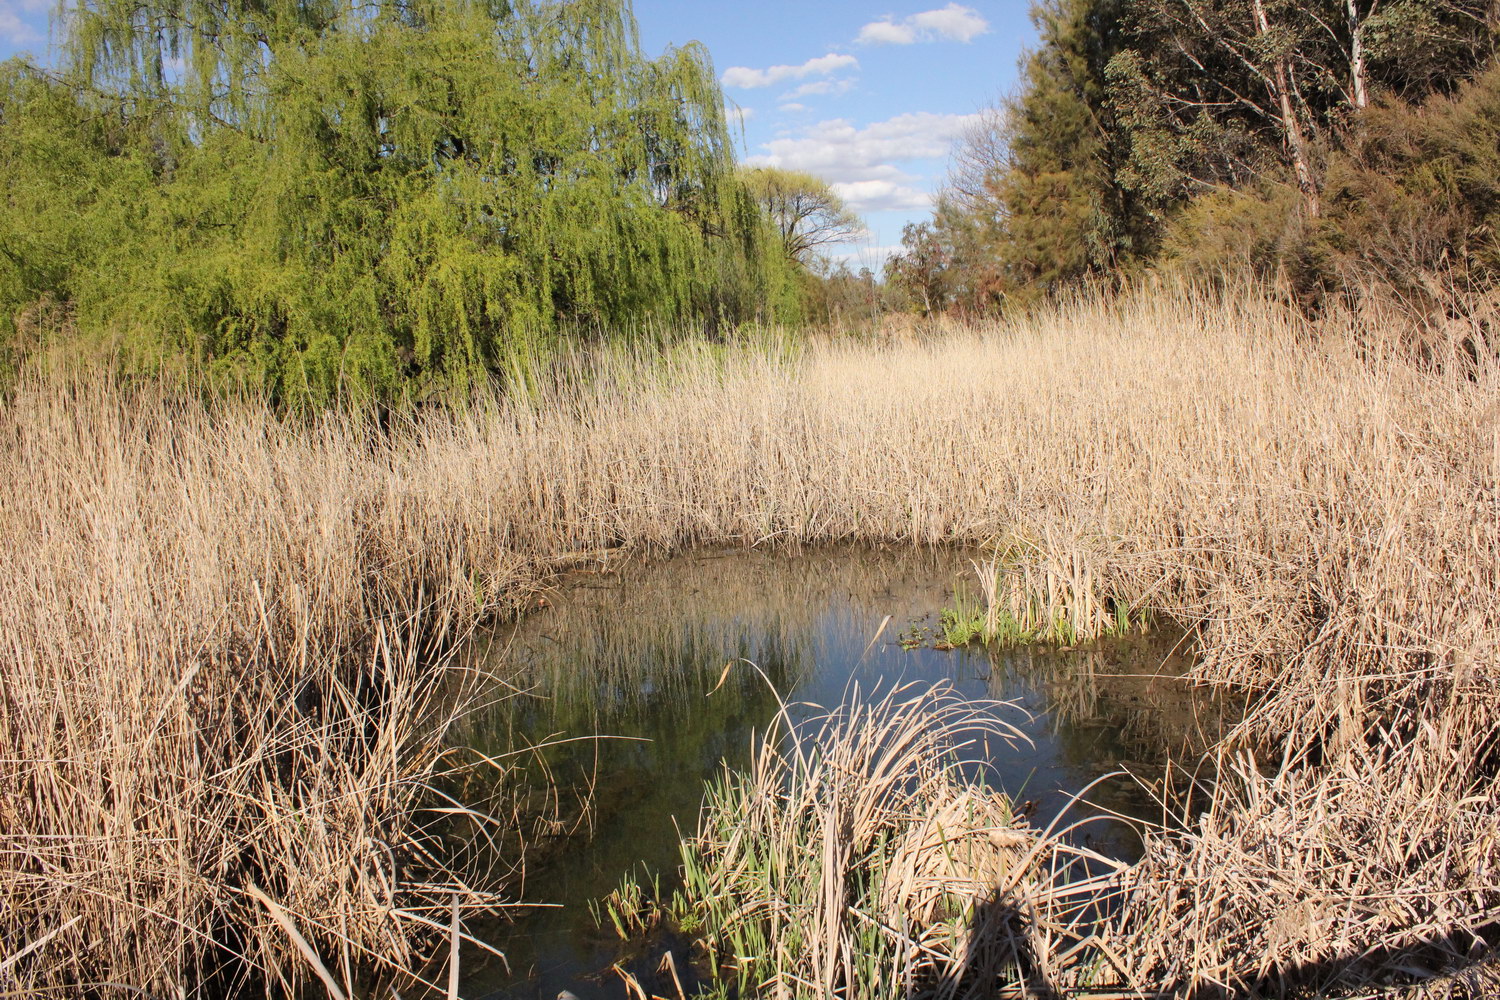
[[217, 621], [855, 857], [223, 699]]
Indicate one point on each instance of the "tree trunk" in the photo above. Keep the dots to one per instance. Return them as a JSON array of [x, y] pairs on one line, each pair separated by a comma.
[[1357, 56], [1296, 140]]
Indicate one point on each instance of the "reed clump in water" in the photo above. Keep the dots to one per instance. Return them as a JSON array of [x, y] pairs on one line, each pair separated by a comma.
[[1321, 507], [855, 857]]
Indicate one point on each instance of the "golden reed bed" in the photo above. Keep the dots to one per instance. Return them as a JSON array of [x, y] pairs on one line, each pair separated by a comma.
[[221, 701]]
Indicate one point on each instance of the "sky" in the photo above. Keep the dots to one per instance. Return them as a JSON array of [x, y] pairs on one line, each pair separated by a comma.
[[868, 96]]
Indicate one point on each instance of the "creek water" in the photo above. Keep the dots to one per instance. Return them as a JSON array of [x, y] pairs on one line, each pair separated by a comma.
[[625, 683]]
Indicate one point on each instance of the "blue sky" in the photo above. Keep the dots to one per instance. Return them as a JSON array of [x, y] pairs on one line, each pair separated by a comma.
[[867, 96]]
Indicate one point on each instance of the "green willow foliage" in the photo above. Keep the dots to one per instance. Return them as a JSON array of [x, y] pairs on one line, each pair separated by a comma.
[[334, 198]]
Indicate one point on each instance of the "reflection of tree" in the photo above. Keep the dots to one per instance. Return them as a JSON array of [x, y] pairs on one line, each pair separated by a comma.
[[1134, 687], [659, 725], [658, 629], [635, 654], [632, 656], [658, 735]]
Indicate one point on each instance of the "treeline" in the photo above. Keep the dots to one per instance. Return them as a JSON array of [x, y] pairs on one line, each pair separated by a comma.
[[332, 198], [1336, 144]]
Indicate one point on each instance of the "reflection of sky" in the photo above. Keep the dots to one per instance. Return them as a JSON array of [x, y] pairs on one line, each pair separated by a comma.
[[1057, 756], [637, 655]]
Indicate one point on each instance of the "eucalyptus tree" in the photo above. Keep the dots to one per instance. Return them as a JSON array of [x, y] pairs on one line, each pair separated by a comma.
[[1232, 92], [328, 195], [1218, 134], [923, 271], [1034, 199]]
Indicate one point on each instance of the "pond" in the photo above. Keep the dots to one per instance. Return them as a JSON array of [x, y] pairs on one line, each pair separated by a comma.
[[638, 680]]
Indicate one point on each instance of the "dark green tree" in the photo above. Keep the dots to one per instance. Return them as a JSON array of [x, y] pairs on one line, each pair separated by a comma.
[[1217, 94], [1036, 181], [1210, 135], [1413, 199]]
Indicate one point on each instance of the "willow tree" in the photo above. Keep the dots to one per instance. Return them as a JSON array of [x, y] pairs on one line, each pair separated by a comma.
[[322, 194]]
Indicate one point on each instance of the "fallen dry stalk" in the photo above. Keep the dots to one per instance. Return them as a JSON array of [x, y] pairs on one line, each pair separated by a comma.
[[284, 921]]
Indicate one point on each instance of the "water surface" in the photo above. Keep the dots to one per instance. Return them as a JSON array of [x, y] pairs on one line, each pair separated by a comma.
[[636, 655]]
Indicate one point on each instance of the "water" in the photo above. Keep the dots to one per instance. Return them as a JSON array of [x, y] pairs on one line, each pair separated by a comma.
[[639, 655]]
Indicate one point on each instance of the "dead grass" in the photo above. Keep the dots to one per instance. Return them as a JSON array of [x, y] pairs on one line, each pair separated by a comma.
[[221, 704], [855, 857], [209, 676]]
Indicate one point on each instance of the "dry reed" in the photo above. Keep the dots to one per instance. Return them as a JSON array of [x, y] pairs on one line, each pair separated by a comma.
[[855, 857], [214, 617]]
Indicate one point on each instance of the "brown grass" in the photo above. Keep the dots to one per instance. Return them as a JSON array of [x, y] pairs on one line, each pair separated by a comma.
[[218, 703], [855, 858], [215, 670]]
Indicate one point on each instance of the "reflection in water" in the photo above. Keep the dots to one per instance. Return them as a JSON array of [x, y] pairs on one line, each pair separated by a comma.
[[639, 656]]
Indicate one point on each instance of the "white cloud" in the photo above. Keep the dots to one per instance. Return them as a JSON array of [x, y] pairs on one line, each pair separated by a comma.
[[744, 76], [882, 196], [954, 23], [840, 153], [835, 87], [792, 107], [875, 168], [958, 24], [887, 33]]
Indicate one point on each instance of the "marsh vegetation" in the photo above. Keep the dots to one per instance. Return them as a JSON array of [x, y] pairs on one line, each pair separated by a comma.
[[228, 670], [685, 664], [332, 334]]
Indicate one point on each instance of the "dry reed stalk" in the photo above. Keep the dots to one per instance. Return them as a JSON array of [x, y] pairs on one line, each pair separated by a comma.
[[193, 591], [203, 690], [853, 858]]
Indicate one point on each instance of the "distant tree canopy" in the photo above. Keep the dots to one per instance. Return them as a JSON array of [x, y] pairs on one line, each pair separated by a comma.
[[1219, 134], [806, 211], [332, 197]]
